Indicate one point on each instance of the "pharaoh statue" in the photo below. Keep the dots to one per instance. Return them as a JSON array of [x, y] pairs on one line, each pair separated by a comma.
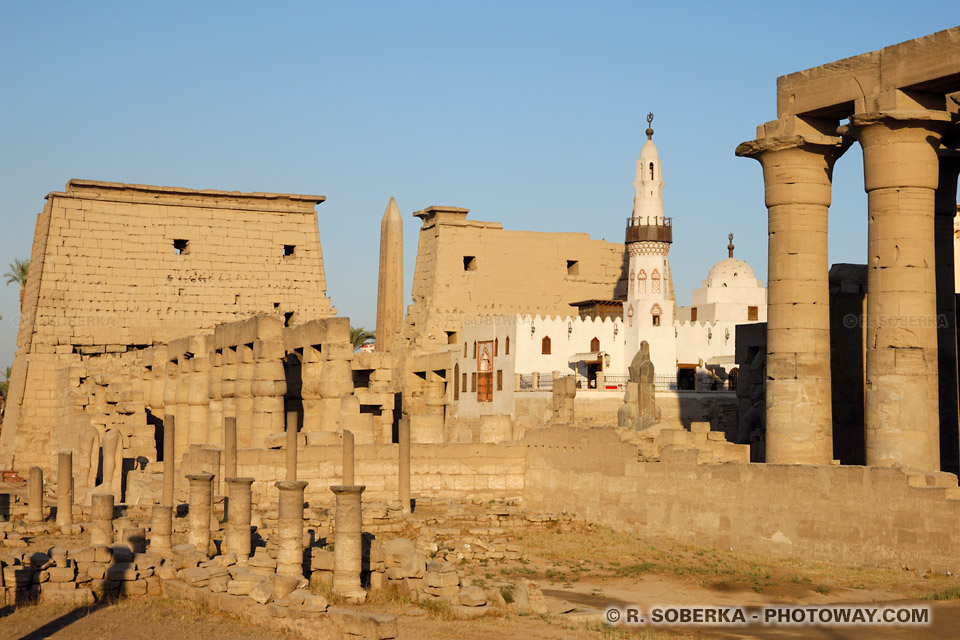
[[639, 410]]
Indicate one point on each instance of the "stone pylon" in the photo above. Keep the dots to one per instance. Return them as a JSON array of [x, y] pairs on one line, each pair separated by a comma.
[[390, 284]]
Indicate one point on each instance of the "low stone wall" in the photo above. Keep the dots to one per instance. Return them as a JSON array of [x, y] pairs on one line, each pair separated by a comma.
[[436, 470], [844, 514]]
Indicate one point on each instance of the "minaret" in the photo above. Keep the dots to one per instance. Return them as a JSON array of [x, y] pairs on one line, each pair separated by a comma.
[[390, 283], [649, 311]]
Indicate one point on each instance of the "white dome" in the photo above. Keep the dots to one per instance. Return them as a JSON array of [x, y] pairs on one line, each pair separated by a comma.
[[649, 151], [732, 273]]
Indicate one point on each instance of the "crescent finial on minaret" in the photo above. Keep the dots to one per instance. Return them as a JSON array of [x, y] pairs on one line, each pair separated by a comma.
[[730, 246], [649, 130]]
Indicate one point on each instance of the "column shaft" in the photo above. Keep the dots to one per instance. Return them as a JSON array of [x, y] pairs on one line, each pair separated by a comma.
[[797, 172], [161, 527], [35, 496], [101, 518], [900, 175], [403, 466], [230, 447], [169, 458], [201, 510], [65, 490], [348, 458], [238, 520], [290, 527], [348, 551], [291, 445]]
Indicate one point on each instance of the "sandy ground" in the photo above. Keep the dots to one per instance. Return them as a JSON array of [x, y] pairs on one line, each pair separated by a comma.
[[582, 572]]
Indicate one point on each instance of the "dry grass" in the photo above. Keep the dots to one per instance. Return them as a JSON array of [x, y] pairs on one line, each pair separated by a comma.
[[617, 554]]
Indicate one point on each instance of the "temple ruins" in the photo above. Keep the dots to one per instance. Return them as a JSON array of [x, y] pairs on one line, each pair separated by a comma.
[[186, 403]]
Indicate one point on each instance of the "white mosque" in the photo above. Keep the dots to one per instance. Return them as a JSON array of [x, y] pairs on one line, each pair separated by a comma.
[[688, 345]]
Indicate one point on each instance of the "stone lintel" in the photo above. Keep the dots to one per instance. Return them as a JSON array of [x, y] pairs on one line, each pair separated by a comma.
[[927, 64]]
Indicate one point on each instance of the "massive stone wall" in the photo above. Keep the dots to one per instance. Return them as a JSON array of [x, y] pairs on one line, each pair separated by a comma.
[[118, 267], [849, 514], [471, 268]]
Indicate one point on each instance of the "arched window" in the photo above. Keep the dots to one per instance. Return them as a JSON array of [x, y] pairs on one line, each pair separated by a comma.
[[545, 346], [464, 349], [496, 346], [474, 349], [651, 171], [642, 281], [631, 278], [595, 344], [655, 314], [506, 346], [655, 286], [456, 381]]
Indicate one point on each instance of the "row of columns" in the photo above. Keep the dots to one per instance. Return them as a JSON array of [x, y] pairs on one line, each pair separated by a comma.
[[902, 173]]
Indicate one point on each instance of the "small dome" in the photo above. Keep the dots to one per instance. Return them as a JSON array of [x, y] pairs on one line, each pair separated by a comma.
[[732, 272], [649, 151]]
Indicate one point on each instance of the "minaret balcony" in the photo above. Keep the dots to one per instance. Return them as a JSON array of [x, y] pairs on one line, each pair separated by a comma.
[[649, 229]]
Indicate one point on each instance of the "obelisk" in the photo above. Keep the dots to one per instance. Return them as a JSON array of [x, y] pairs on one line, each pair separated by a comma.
[[390, 284]]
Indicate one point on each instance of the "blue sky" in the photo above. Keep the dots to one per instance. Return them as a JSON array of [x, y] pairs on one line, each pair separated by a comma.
[[527, 113]]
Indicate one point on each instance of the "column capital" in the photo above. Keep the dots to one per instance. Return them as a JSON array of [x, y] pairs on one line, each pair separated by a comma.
[[818, 135], [239, 481], [291, 485], [199, 477], [340, 488]]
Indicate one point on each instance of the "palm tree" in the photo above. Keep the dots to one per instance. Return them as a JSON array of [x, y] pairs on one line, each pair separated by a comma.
[[18, 273], [360, 336]]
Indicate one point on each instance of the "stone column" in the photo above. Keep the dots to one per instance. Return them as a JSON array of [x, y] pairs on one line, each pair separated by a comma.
[[311, 371], [291, 445], [35, 497], [229, 447], [348, 550], [169, 458], [101, 518], [161, 528], [214, 384], [182, 406], [65, 490], [348, 458], [242, 394], [198, 393], [201, 510], [945, 209], [238, 520], [268, 388], [901, 171], [290, 528], [403, 465], [228, 382], [797, 159]]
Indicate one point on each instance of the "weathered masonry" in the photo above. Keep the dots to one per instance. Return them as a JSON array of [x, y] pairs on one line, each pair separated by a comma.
[[900, 104], [116, 268]]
